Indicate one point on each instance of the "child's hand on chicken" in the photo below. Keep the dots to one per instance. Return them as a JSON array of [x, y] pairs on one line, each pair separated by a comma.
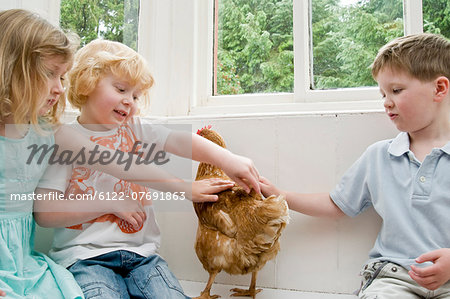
[[267, 188], [205, 190], [241, 170]]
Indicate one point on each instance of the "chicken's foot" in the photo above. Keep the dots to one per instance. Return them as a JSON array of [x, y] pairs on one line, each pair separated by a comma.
[[205, 294], [251, 292]]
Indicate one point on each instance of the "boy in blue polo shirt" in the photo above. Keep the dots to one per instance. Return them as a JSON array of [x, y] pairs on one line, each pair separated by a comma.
[[406, 179]]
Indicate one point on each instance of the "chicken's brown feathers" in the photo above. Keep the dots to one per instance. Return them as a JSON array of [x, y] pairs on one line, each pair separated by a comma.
[[212, 135], [239, 232]]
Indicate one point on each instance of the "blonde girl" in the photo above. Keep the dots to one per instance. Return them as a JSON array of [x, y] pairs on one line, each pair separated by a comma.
[[34, 57]]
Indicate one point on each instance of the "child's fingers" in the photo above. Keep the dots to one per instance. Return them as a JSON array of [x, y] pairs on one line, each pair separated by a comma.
[[253, 182], [133, 222], [208, 198], [219, 187], [263, 180], [423, 272], [243, 185], [2, 293], [429, 256], [140, 217], [423, 281], [426, 282], [136, 221], [142, 212], [217, 181]]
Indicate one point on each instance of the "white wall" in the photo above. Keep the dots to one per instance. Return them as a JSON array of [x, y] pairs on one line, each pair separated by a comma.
[[304, 153], [47, 9], [300, 152]]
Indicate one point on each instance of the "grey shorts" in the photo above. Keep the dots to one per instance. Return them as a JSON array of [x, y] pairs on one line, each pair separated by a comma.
[[385, 280]]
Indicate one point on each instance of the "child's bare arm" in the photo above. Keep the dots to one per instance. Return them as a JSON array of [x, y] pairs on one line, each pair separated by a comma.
[[312, 204], [240, 169], [64, 213], [436, 275], [152, 176]]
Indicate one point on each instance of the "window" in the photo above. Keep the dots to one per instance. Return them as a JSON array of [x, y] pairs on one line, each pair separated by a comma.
[[346, 36], [436, 17], [253, 43], [178, 40], [115, 20], [253, 47]]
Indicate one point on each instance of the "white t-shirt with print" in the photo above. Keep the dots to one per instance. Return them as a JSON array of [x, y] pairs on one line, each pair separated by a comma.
[[106, 233]]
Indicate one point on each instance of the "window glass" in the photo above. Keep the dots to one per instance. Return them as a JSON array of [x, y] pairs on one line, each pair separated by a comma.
[[253, 47], [115, 20], [346, 35], [436, 17]]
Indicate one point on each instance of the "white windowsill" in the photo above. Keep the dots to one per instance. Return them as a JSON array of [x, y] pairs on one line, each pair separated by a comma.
[[318, 108]]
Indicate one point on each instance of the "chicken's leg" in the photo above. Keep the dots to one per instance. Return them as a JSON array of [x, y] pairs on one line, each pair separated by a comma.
[[205, 294], [251, 292]]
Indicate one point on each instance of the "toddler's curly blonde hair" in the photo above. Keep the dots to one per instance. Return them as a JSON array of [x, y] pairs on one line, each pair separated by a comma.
[[102, 57]]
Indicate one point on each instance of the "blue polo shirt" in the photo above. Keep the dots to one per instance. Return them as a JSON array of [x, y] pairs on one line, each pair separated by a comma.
[[412, 198]]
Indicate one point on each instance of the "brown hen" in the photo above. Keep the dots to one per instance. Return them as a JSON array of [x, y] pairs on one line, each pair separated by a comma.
[[240, 232]]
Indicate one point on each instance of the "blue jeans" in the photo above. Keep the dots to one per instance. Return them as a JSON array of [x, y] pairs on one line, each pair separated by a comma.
[[124, 274]]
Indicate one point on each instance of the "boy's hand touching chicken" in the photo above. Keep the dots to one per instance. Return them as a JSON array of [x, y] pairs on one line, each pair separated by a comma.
[[436, 275], [267, 188]]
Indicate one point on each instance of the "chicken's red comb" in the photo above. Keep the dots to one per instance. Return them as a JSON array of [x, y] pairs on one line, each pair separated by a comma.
[[207, 127]]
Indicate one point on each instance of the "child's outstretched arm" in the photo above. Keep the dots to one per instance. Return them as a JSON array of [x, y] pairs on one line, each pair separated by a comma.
[[67, 212], [436, 275], [240, 169], [313, 204], [152, 176]]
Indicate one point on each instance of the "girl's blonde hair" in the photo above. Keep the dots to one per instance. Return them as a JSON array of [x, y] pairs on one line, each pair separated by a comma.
[[100, 58], [425, 56], [25, 40]]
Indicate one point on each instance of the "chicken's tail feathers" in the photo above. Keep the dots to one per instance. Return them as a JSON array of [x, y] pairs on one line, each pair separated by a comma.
[[277, 208], [274, 213]]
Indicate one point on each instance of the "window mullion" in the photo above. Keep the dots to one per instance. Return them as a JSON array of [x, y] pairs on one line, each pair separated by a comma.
[[302, 48], [413, 16]]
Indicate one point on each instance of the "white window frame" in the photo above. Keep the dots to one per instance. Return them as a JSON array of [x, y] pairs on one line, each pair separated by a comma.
[[176, 38], [303, 99]]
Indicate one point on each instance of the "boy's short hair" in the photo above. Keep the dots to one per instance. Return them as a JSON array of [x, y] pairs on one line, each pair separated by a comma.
[[425, 56], [100, 58]]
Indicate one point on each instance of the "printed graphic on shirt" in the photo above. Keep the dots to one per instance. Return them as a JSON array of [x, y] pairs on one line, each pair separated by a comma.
[[87, 181]]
